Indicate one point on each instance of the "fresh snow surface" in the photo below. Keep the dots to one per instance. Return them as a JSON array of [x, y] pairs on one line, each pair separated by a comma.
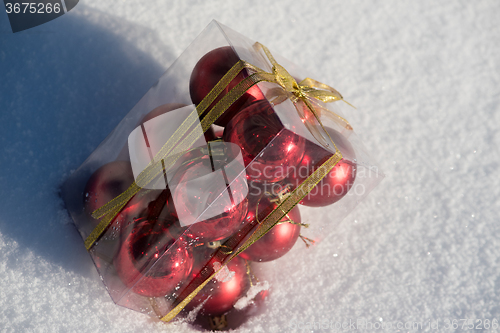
[[424, 247]]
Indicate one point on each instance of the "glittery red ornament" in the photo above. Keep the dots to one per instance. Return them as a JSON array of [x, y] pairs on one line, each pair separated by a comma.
[[280, 239], [337, 182], [258, 127], [199, 187], [209, 71], [141, 263], [224, 290]]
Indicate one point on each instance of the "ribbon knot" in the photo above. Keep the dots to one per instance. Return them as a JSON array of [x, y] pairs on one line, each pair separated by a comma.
[[286, 81], [310, 92]]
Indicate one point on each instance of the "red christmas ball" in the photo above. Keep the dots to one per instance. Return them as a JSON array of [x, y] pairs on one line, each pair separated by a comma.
[[209, 71], [137, 207], [142, 252], [160, 207], [151, 205], [258, 127], [106, 183], [279, 240], [199, 187], [111, 180], [203, 254], [337, 182], [224, 290]]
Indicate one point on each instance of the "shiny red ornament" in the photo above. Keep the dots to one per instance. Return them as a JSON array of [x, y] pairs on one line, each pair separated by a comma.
[[136, 208], [279, 240], [192, 196], [160, 205], [337, 182], [209, 71], [258, 127], [203, 253], [224, 290], [151, 205], [106, 183], [112, 179], [142, 265]]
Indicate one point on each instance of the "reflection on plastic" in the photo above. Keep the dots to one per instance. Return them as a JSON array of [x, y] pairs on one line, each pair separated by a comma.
[[212, 189], [147, 139], [203, 176]]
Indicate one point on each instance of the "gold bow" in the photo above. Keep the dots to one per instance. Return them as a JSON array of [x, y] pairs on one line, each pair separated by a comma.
[[308, 92]]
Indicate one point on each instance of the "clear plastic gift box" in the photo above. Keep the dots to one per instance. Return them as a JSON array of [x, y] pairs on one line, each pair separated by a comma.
[[208, 175]]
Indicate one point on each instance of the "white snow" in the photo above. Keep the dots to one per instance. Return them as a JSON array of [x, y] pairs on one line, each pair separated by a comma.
[[425, 77]]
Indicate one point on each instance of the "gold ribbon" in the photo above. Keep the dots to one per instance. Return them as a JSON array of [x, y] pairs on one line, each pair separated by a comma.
[[309, 92]]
